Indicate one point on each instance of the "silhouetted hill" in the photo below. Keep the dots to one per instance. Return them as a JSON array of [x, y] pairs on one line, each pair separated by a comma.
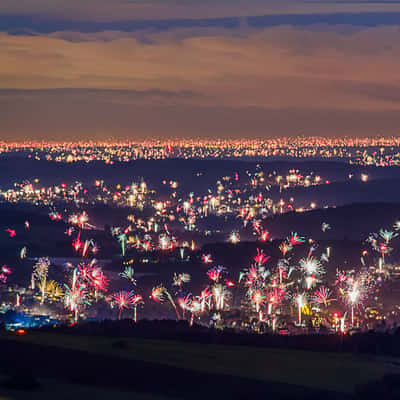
[[354, 221], [18, 169]]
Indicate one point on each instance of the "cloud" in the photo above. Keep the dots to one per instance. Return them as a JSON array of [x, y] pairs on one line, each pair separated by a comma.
[[38, 24], [125, 10], [281, 80]]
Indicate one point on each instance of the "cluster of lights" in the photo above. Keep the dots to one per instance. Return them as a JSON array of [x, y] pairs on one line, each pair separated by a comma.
[[380, 151]]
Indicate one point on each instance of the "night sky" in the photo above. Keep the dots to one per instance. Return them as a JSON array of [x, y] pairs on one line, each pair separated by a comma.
[[230, 68]]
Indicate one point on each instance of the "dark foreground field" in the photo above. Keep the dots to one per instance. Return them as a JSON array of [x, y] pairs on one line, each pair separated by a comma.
[[71, 366]]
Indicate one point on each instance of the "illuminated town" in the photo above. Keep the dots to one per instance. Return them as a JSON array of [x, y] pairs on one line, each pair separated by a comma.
[[117, 267], [379, 151]]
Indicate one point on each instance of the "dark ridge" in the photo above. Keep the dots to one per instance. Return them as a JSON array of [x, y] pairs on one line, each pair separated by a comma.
[[146, 377]]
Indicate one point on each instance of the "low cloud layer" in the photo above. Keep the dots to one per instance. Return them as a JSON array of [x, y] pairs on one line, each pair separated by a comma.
[[67, 116]]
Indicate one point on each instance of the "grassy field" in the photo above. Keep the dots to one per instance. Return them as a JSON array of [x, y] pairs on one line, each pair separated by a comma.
[[51, 390], [339, 372]]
